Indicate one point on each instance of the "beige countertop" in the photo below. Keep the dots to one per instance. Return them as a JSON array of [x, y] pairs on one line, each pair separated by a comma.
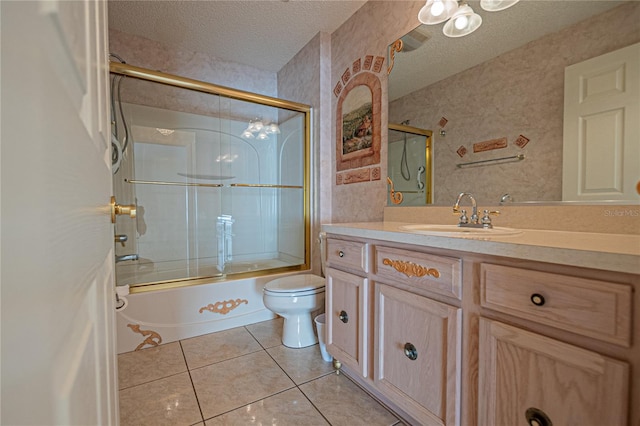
[[612, 252]]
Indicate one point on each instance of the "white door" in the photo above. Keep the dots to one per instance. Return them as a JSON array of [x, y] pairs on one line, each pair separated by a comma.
[[58, 353], [601, 147]]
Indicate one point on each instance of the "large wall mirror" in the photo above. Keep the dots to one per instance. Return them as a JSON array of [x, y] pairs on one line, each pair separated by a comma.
[[499, 92]]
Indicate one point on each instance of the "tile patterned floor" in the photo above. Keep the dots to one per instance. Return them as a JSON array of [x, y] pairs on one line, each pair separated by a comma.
[[243, 376]]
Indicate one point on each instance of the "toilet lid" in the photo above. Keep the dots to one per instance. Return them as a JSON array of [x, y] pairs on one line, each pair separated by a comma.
[[295, 283]]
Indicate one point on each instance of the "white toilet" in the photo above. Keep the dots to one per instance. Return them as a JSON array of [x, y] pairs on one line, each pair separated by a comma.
[[294, 298]]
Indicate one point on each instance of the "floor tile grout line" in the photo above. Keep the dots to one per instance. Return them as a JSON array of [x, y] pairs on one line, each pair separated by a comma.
[[298, 386], [280, 367], [254, 337], [153, 380], [226, 359], [372, 396], [193, 386], [311, 402], [252, 402], [294, 385], [316, 378]]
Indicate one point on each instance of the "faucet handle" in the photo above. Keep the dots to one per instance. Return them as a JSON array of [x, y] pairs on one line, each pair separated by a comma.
[[486, 219], [463, 218]]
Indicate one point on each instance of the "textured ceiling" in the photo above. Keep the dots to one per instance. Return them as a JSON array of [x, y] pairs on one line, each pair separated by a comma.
[[265, 34]]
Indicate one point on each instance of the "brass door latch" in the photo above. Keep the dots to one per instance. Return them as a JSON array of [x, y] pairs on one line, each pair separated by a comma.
[[118, 209]]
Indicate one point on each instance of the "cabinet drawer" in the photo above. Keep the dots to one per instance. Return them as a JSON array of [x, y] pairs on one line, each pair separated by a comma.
[[593, 308], [347, 254], [438, 274]]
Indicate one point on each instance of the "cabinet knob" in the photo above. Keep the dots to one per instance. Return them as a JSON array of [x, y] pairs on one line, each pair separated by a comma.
[[537, 417], [344, 317], [341, 253], [537, 299], [410, 351]]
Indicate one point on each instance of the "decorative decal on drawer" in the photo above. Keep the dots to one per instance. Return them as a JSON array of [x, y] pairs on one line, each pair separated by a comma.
[[224, 307], [410, 269], [153, 338]]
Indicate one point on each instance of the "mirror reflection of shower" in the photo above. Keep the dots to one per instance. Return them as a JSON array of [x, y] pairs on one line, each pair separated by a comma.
[[404, 166], [409, 163]]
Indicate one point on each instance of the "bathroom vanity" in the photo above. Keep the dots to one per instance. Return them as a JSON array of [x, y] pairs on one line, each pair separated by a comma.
[[532, 327]]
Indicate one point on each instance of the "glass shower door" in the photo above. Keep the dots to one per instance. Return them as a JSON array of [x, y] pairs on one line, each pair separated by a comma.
[[219, 184]]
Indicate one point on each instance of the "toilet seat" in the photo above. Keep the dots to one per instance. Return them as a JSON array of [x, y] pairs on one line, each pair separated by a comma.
[[295, 285]]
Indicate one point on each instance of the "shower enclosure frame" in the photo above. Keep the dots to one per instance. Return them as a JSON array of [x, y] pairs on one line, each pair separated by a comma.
[[213, 89]]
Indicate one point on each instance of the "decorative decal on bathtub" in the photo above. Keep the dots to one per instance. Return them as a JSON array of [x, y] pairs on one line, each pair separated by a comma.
[[224, 307], [153, 338], [411, 269]]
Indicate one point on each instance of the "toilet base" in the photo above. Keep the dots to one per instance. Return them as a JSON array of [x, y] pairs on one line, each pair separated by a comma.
[[297, 331]]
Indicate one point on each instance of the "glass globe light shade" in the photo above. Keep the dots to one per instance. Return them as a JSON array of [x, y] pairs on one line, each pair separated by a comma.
[[463, 22], [437, 11], [497, 5]]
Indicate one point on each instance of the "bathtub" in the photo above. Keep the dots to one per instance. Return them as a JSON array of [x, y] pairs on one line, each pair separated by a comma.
[[162, 316]]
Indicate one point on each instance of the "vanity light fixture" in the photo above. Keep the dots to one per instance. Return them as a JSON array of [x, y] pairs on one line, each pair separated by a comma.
[[462, 20], [260, 130], [497, 5], [437, 11]]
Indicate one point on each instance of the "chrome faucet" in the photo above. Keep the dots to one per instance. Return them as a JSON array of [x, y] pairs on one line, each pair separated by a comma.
[[506, 198], [474, 221], [474, 210], [126, 257]]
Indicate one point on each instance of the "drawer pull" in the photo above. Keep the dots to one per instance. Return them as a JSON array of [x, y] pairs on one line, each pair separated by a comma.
[[536, 417], [411, 269], [410, 351], [341, 253], [344, 317], [537, 299]]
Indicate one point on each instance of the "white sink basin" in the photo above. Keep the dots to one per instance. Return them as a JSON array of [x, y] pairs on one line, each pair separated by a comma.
[[458, 231]]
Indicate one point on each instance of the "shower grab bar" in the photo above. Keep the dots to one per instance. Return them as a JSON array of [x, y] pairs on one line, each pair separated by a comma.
[[157, 182], [259, 185]]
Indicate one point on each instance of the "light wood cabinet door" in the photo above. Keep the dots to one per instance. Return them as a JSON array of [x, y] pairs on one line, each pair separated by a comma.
[[526, 378], [417, 356], [346, 318]]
